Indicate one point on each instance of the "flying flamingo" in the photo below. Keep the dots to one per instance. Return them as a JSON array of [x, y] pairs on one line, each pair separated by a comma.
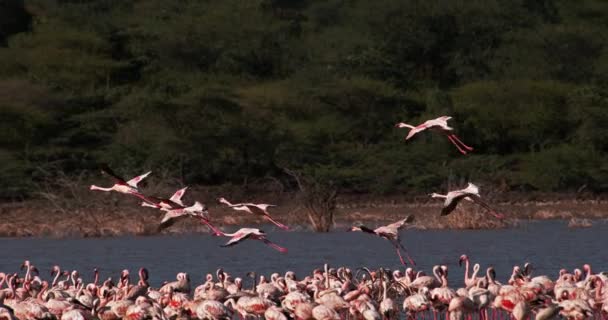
[[250, 233], [470, 193], [440, 124], [391, 233], [196, 210], [123, 186], [174, 202], [259, 209]]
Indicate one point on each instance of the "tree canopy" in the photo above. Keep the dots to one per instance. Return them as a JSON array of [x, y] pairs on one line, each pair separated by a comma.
[[231, 92]]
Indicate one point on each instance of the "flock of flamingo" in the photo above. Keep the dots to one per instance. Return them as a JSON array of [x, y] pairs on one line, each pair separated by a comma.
[[176, 209], [325, 294]]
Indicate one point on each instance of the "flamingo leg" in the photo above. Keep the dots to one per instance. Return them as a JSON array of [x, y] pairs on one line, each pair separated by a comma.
[[400, 257], [406, 252], [455, 137], [216, 231], [274, 246], [278, 224], [456, 144], [142, 197]]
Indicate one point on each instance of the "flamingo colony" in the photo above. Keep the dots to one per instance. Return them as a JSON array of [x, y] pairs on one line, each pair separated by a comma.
[[325, 294]]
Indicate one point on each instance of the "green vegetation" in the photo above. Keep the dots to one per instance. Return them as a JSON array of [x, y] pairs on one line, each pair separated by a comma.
[[237, 92]]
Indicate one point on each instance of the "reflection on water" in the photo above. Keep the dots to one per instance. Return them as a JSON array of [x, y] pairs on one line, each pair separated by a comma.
[[549, 245]]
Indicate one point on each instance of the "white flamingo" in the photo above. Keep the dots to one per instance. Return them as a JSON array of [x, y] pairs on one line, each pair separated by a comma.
[[439, 124], [391, 233], [254, 208], [197, 210], [123, 186], [174, 202], [250, 233], [470, 193]]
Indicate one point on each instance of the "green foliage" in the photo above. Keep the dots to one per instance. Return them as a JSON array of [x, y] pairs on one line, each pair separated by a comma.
[[216, 92]]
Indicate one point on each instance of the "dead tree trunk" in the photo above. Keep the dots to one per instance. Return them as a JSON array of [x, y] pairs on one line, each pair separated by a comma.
[[318, 198]]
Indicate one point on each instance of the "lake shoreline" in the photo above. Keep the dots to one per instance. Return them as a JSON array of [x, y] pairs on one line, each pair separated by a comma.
[[119, 216]]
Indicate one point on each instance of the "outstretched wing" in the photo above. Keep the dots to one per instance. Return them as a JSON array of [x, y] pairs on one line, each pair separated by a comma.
[[171, 217], [133, 182], [105, 169], [451, 202], [177, 196], [236, 239], [484, 205], [399, 224]]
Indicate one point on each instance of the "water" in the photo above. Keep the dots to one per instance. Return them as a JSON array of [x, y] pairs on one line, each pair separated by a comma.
[[548, 245]]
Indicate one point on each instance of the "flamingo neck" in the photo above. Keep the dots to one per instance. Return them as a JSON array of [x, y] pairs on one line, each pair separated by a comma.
[[466, 270], [94, 187], [436, 273], [54, 283], [405, 125]]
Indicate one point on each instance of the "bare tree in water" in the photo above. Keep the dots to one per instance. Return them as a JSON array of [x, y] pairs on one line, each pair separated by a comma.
[[319, 199]]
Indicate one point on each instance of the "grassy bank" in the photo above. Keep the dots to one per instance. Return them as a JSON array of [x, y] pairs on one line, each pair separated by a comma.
[[104, 215]]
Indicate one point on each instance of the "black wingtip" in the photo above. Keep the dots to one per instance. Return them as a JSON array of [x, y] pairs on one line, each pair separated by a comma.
[[409, 219]]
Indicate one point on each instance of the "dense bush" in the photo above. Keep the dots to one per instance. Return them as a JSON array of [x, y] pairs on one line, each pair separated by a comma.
[[231, 92]]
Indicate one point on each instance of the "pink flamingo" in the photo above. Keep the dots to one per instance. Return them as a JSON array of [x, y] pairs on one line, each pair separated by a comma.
[[196, 210], [391, 233], [250, 233], [123, 186], [470, 193], [440, 124], [174, 202], [253, 208]]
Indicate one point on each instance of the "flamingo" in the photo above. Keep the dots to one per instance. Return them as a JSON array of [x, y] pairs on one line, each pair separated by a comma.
[[196, 210], [259, 209], [250, 233], [440, 124], [473, 279], [175, 201], [391, 233], [123, 186], [470, 193]]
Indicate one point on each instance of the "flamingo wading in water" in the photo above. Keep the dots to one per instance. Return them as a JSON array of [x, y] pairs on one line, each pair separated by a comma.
[[123, 186], [250, 233], [440, 124], [470, 193], [253, 208], [391, 233]]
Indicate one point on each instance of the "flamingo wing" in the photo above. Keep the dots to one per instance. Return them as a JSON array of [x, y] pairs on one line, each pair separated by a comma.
[[399, 224], [483, 204], [105, 169], [236, 239], [177, 196], [451, 202], [133, 182], [366, 229], [171, 217]]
